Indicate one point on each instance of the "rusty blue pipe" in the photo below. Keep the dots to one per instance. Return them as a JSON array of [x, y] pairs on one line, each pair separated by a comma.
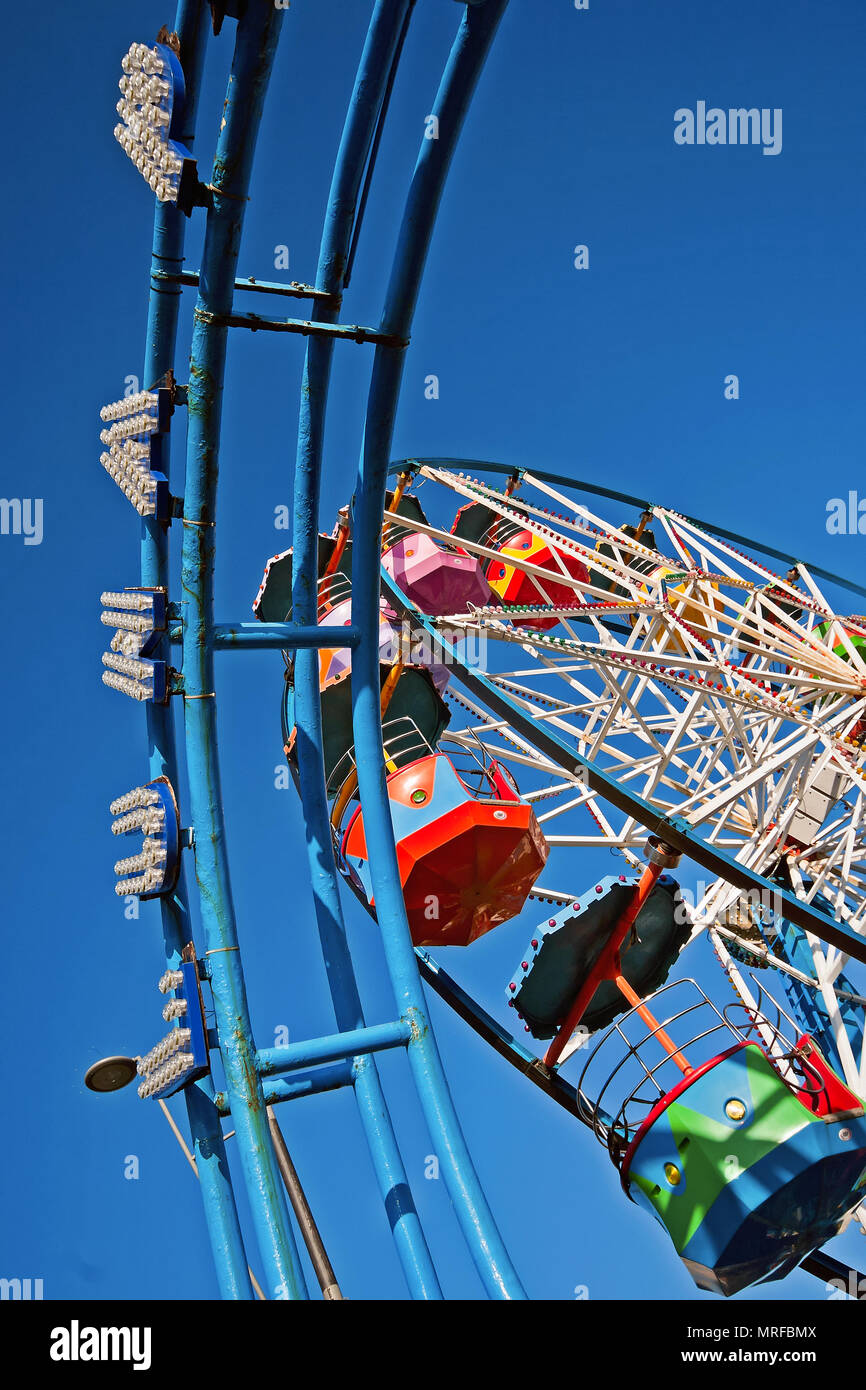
[[255, 46], [168, 239]]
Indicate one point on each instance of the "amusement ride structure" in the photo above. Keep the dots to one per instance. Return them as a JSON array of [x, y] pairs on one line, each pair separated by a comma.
[[489, 671]]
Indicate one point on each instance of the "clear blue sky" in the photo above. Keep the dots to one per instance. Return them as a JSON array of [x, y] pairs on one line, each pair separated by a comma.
[[703, 262]]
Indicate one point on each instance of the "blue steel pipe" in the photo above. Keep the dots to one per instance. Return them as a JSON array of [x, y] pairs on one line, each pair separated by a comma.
[[255, 45], [275, 636], [311, 1083], [376, 62], [168, 238], [467, 57], [378, 1038], [229, 636]]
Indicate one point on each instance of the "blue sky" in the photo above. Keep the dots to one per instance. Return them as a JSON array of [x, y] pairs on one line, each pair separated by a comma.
[[704, 261]]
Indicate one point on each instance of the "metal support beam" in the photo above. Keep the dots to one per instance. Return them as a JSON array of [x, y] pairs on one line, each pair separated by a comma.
[[322, 1266], [277, 1089], [308, 328], [823, 1266], [236, 636], [378, 1038], [497, 1037], [295, 290], [275, 636]]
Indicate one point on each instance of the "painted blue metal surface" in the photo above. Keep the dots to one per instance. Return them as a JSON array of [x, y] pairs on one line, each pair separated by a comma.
[[466, 59], [230, 1261], [287, 636], [332, 1077], [377, 57], [377, 1038], [255, 46]]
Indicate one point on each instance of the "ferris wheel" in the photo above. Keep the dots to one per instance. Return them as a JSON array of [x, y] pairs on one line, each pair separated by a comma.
[[700, 686], [490, 672]]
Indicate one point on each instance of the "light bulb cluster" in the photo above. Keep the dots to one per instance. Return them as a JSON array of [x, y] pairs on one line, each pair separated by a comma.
[[128, 643], [133, 600], [129, 405], [150, 811], [140, 680], [130, 622], [152, 856], [182, 1055], [174, 1041], [138, 616], [150, 106], [129, 428], [133, 452], [127, 665], [133, 477], [124, 685], [162, 1080], [139, 796], [148, 819], [142, 885]]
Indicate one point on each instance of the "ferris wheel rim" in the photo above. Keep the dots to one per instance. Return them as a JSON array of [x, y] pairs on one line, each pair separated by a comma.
[[627, 499]]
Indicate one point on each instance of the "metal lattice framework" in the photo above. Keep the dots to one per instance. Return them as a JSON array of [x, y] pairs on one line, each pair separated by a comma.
[[688, 692], [705, 698]]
